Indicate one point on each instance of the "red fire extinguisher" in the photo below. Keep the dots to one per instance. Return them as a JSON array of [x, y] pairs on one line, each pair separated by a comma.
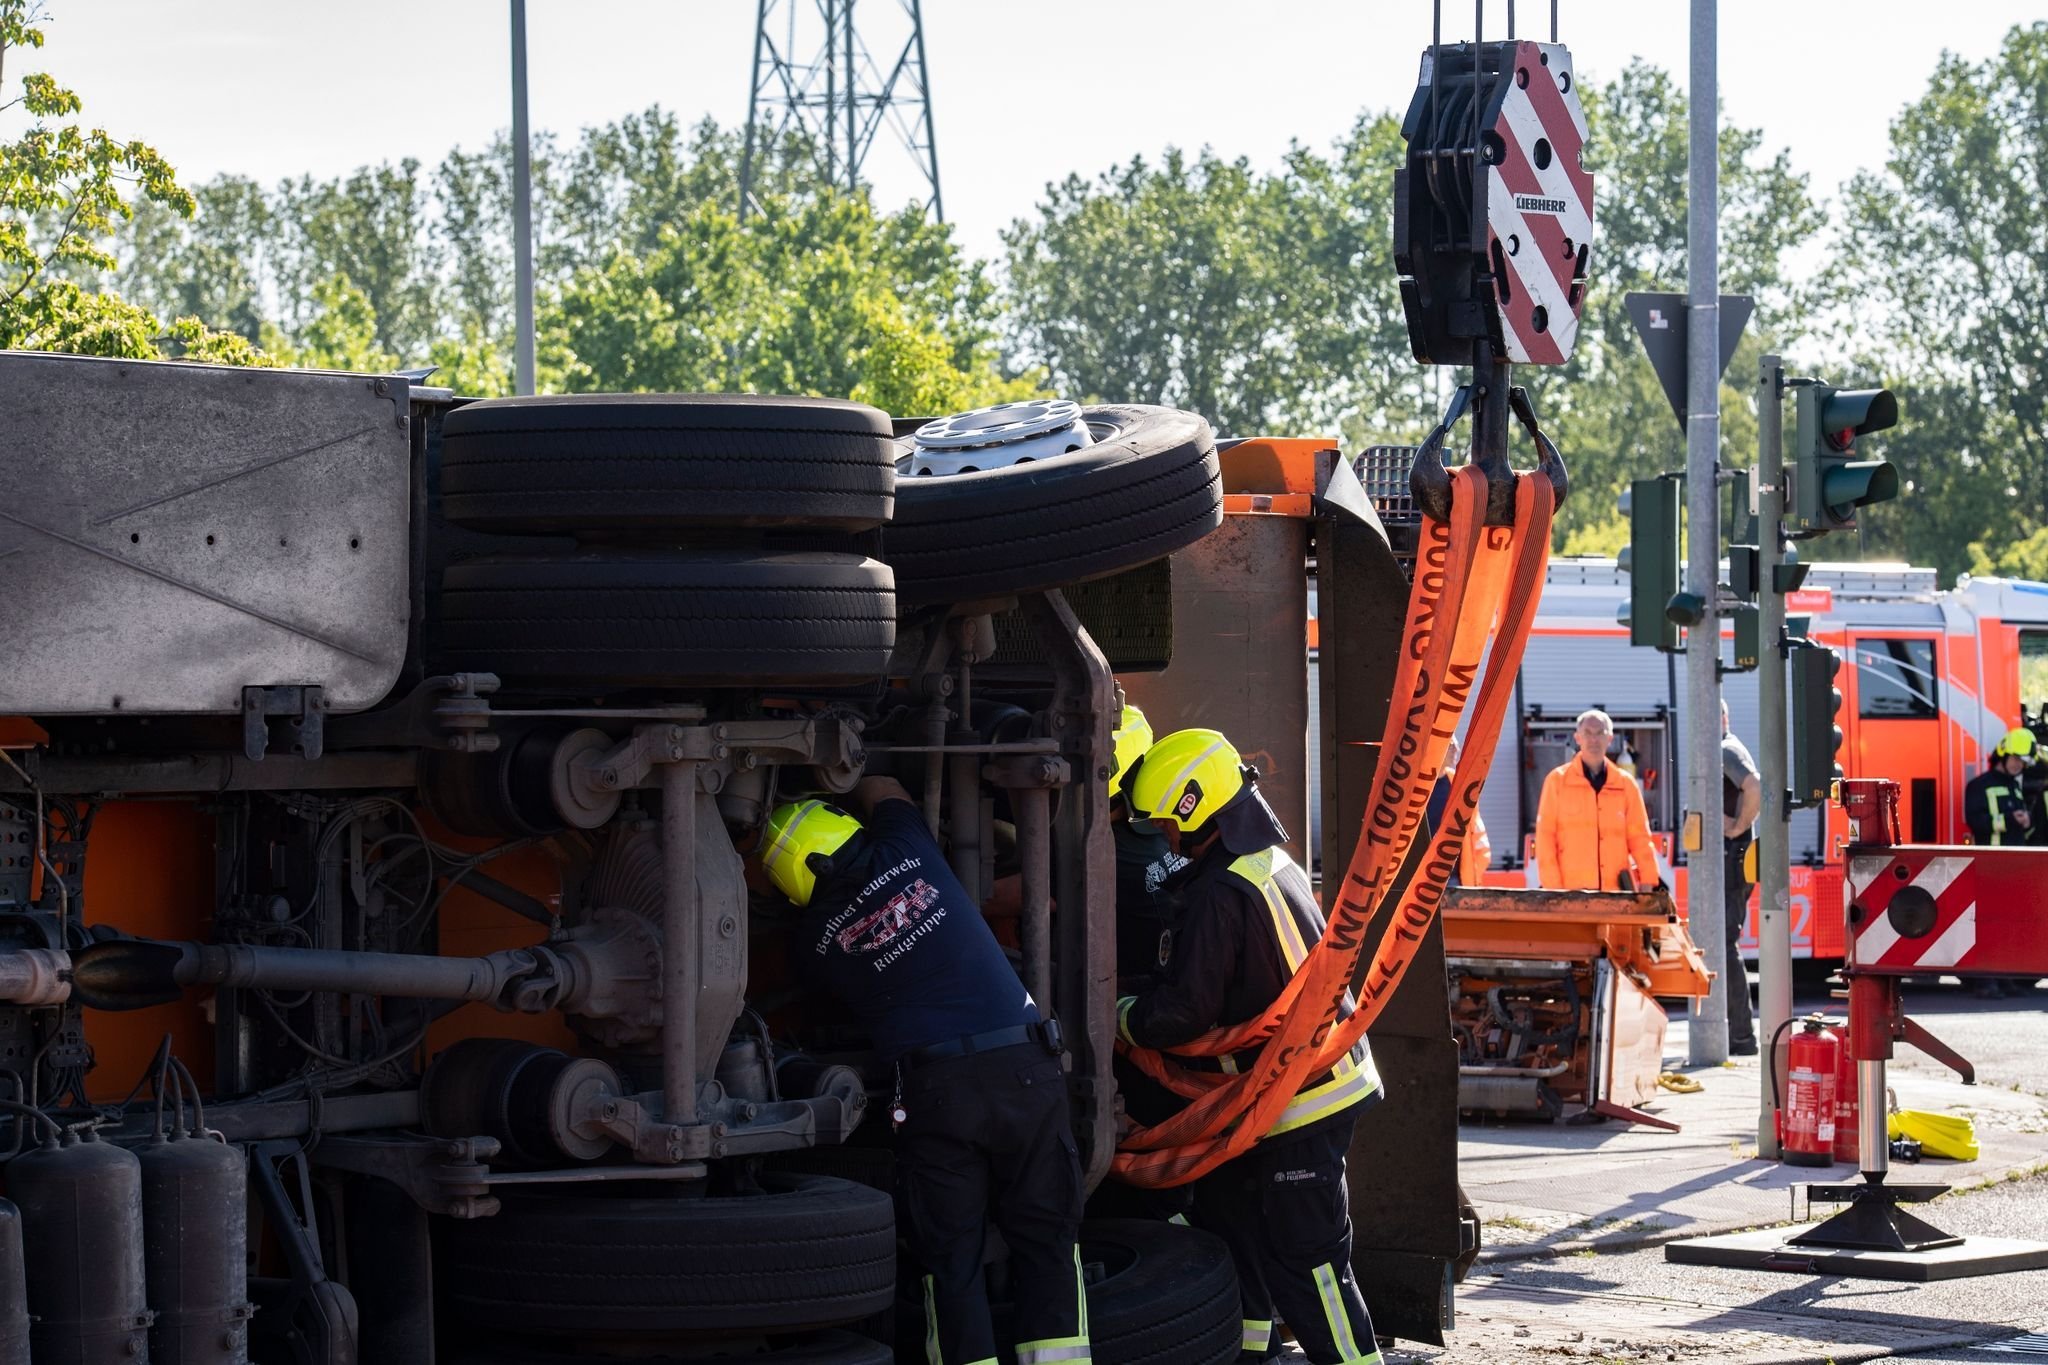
[[1845, 1093], [1806, 1113]]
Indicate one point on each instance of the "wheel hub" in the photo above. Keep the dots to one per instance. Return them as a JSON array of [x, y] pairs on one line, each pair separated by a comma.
[[990, 438]]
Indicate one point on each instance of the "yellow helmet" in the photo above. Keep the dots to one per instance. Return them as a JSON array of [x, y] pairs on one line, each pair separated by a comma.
[[1132, 737], [795, 831], [2018, 743], [1187, 778]]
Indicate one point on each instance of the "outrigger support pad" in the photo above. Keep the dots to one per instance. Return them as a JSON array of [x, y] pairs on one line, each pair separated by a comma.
[[1873, 1220], [1491, 399]]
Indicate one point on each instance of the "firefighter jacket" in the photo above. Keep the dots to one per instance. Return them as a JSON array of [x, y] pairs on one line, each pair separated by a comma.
[[1247, 924], [1991, 801], [1586, 839]]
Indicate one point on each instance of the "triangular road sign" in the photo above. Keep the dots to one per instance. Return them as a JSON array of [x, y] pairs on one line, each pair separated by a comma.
[[1660, 321]]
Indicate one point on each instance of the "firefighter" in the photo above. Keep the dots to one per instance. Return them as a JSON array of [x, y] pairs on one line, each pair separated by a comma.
[[1147, 917], [1249, 918], [1146, 912], [1999, 811], [981, 1101], [1592, 832], [1996, 805], [1742, 797]]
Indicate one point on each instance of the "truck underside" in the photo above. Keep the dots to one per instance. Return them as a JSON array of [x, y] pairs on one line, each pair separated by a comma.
[[379, 784]]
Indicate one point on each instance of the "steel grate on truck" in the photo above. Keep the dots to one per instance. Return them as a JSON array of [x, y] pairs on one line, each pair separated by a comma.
[[1383, 470]]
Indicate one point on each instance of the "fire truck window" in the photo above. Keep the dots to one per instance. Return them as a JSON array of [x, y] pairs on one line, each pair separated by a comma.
[[1895, 680], [2034, 667]]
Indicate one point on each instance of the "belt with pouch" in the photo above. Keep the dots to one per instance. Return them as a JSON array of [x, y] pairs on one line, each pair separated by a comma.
[[1046, 1035]]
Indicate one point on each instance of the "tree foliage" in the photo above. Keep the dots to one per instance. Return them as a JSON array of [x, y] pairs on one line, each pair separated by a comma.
[[645, 276], [1259, 300], [1947, 287], [1610, 415], [63, 189]]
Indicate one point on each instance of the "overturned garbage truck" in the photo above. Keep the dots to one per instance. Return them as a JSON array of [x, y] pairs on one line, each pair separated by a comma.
[[381, 979]]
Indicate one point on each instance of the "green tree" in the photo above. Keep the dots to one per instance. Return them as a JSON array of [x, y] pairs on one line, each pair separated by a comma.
[[340, 333], [1605, 407], [371, 228], [63, 190], [1945, 283], [214, 263], [815, 296], [1256, 300]]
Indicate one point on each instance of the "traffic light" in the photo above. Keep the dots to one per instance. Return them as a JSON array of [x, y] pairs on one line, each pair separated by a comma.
[[1745, 571], [1741, 525], [1830, 483], [1816, 731], [1650, 559]]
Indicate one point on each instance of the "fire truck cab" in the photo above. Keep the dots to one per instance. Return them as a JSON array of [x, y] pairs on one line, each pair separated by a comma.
[[1934, 677]]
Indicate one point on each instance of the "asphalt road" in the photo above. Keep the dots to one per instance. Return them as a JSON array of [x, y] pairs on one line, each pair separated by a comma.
[[2008, 1041]]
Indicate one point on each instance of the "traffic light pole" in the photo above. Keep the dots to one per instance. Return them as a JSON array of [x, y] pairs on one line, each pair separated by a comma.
[[1773, 834], [1703, 839]]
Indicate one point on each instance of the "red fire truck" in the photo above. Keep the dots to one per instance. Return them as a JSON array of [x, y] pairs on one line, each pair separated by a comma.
[[1935, 676]]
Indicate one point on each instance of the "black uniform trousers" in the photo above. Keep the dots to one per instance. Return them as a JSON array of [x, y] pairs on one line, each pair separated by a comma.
[[1283, 1209], [986, 1139], [1735, 980]]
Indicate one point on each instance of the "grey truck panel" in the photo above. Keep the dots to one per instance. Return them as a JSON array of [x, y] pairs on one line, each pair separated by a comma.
[[173, 533]]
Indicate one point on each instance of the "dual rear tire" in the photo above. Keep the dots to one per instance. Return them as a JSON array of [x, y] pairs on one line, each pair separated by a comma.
[[682, 507]]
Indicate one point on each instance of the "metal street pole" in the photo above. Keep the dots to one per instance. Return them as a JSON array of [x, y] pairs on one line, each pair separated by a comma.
[[522, 208], [1773, 835], [1704, 842]]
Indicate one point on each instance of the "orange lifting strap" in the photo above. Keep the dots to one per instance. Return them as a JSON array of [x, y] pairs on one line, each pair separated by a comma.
[[1486, 580]]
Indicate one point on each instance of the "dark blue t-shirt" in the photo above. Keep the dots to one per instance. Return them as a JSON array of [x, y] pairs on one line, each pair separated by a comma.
[[903, 946]]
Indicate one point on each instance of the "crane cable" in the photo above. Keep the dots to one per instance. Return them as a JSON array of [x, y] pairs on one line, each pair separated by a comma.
[[1461, 569]]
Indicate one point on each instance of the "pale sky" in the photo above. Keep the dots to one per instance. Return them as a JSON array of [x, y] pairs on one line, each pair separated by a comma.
[[1023, 93]]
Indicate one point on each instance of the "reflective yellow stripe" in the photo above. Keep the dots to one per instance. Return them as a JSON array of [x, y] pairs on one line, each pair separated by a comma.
[[788, 835], [1181, 778], [1067, 1349], [1081, 1291], [1341, 1335], [1180, 1219], [1258, 869], [1123, 1019], [1257, 1334], [1353, 1078], [1350, 1083], [931, 1326]]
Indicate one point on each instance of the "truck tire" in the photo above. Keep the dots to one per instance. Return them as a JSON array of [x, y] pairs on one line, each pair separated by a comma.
[[1168, 1297], [826, 1348], [810, 1252], [1147, 487], [653, 462], [647, 618]]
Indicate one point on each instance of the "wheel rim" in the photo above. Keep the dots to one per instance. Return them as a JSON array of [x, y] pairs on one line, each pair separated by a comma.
[[996, 437]]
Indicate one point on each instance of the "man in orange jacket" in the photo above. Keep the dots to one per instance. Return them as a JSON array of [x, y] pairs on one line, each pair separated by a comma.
[[1591, 828]]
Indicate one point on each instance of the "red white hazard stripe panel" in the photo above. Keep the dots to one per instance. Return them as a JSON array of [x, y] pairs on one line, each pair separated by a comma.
[[1539, 208], [1935, 908]]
